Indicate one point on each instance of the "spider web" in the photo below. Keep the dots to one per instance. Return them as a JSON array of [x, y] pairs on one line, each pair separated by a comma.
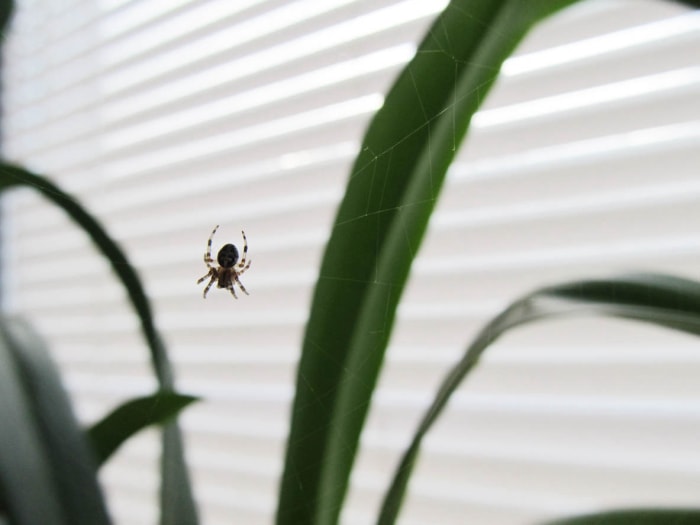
[[86, 194], [240, 355]]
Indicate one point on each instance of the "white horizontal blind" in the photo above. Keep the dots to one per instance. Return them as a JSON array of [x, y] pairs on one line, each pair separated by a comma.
[[166, 118]]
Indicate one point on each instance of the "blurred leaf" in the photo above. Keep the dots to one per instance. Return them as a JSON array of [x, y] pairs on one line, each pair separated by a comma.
[[390, 195], [635, 517], [30, 485], [670, 302], [133, 416], [176, 501], [7, 8], [180, 503], [12, 176], [23, 461]]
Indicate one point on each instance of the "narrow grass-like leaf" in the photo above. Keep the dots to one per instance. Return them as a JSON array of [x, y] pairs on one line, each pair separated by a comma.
[[635, 517], [28, 490], [392, 190], [69, 457], [180, 504], [670, 302], [14, 176], [108, 434], [175, 487]]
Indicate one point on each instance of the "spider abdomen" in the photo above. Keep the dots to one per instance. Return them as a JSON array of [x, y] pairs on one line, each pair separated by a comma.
[[224, 279], [227, 256]]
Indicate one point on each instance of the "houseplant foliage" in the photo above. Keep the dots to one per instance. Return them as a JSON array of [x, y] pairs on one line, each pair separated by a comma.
[[390, 195], [666, 301], [37, 415], [393, 186]]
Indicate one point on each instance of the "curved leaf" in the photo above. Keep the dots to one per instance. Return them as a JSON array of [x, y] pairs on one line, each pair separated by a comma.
[[180, 503], [24, 461], [635, 517], [392, 189], [51, 445], [12, 176], [670, 302], [108, 434]]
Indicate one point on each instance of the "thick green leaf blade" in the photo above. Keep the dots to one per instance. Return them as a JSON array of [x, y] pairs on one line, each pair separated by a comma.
[[666, 301], [392, 189], [29, 493], [635, 517], [70, 460], [108, 434], [182, 502]]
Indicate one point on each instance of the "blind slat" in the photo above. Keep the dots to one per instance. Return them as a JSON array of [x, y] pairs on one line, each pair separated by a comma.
[[166, 119]]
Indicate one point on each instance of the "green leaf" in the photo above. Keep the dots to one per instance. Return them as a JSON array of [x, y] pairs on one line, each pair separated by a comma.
[[667, 301], [182, 502], [108, 434], [46, 440], [133, 416], [13, 176], [175, 486], [635, 517], [391, 193], [23, 459], [7, 8], [690, 3]]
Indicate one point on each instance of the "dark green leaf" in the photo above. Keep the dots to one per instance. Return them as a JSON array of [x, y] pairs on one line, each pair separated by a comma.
[[29, 486], [690, 3], [670, 302], [133, 416], [27, 491], [13, 176], [70, 460], [7, 8], [636, 517], [176, 499], [392, 189]]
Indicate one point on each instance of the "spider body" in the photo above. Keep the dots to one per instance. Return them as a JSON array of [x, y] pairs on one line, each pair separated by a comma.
[[228, 271], [228, 256]]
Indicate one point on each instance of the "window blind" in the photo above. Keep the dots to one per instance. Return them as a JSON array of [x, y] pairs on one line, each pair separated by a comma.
[[165, 119]]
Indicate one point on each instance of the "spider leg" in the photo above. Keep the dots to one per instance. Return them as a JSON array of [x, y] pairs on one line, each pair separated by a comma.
[[245, 250], [239, 271], [213, 278], [207, 255], [240, 284], [204, 277], [233, 292], [208, 260]]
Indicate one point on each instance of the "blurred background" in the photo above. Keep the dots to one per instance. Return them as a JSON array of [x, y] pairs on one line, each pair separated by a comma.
[[167, 118]]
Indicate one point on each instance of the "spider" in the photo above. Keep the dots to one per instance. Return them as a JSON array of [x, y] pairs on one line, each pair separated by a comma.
[[227, 272]]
